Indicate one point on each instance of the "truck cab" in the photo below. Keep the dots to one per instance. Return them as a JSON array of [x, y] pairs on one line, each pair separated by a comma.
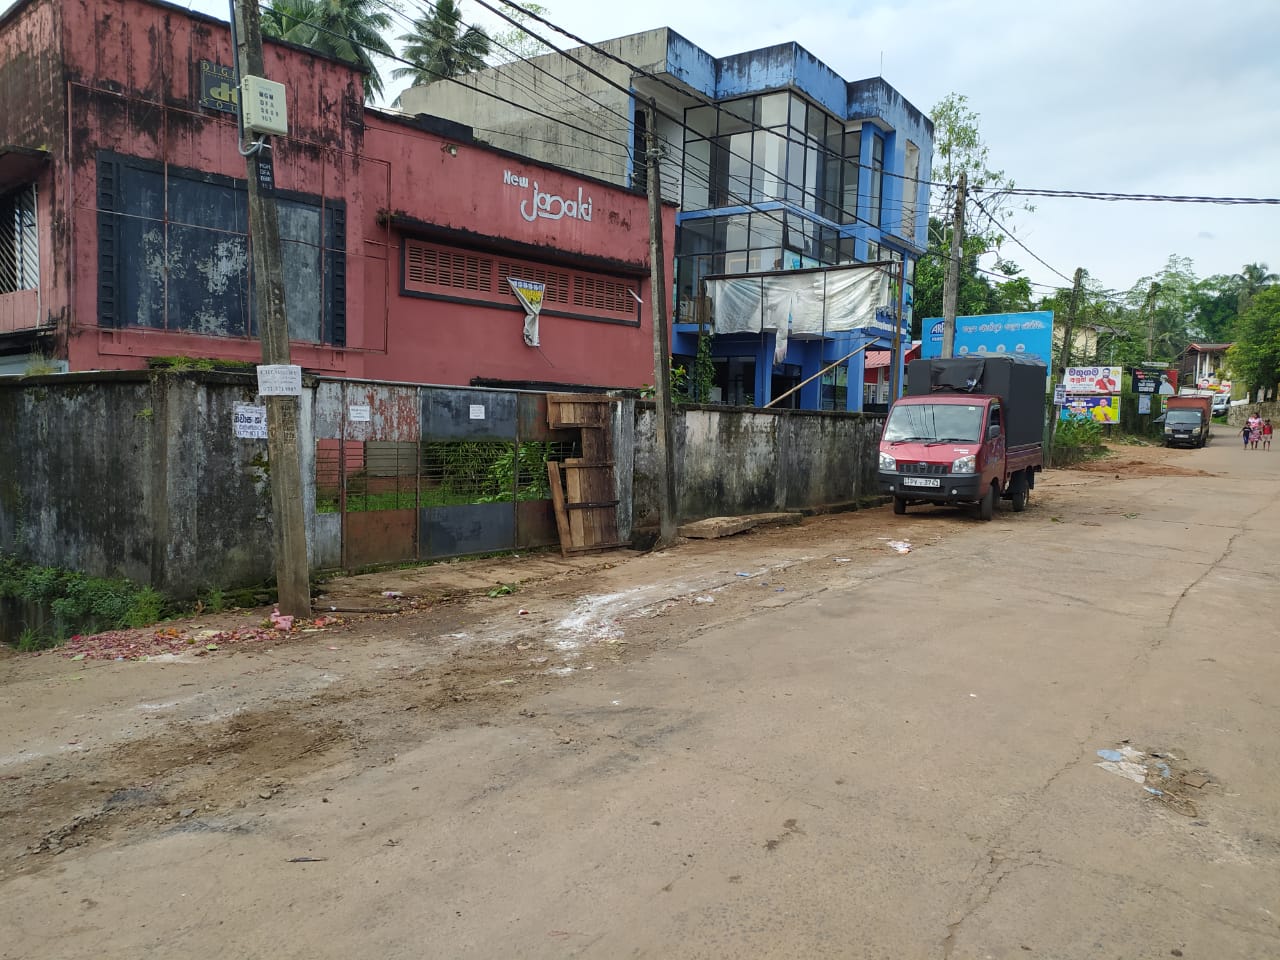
[[948, 448]]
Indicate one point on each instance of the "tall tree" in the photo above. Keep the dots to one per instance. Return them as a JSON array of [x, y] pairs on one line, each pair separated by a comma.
[[349, 30], [975, 295], [1255, 357], [1251, 279], [1164, 303], [440, 45], [958, 146], [517, 43], [1214, 303]]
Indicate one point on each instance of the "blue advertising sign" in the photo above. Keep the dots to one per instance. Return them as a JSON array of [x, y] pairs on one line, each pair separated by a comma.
[[1026, 333]]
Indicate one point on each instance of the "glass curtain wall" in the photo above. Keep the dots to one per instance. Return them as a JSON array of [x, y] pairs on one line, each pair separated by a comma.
[[761, 149]]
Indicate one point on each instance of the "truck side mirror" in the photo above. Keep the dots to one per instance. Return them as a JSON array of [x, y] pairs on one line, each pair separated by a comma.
[[993, 431]]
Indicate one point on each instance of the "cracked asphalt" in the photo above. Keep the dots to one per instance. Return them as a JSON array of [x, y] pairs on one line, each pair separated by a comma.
[[892, 756]]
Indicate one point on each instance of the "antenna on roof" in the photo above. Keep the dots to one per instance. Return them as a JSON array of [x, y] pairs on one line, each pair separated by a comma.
[[881, 64]]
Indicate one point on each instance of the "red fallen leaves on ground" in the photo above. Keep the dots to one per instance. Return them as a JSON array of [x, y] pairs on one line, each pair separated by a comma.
[[147, 642]]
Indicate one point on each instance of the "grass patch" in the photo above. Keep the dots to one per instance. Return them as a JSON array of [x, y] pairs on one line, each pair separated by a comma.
[[46, 605]]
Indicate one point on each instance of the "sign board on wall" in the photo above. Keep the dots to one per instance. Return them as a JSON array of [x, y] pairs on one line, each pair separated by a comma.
[[279, 380], [1148, 381], [249, 421], [1102, 408], [1144, 403], [1093, 379], [218, 87], [1026, 333], [359, 413]]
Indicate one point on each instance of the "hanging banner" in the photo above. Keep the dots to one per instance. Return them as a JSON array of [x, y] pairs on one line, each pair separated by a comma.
[[1093, 379], [530, 293]]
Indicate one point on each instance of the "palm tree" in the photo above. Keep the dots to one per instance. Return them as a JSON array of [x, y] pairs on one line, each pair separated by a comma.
[[346, 29], [1250, 281], [440, 45]]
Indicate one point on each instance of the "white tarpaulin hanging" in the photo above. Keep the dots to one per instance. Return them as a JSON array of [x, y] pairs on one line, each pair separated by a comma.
[[854, 296], [804, 304], [735, 304]]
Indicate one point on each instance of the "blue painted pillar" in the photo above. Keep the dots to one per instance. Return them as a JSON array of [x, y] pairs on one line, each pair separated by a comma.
[[857, 370], [764, 369], [810, 395]]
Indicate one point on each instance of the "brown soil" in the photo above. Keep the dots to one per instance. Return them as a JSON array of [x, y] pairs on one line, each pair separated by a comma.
[[1132, 462]]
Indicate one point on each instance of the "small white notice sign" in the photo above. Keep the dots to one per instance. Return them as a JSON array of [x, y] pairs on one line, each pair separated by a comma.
[[250, 421], [1059, 395], [477, 411], [359, 413], [279, 380]]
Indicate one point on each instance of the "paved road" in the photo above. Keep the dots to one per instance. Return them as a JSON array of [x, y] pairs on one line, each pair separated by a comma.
[[895, 765]]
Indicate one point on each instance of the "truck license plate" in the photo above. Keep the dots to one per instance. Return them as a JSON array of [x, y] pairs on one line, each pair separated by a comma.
[[921, 482]]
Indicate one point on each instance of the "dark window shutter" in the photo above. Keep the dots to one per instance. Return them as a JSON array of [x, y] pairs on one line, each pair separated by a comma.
[[108, 241]]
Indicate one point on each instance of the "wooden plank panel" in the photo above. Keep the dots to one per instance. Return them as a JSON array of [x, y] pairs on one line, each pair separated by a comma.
[[557, 505], [573, 494]]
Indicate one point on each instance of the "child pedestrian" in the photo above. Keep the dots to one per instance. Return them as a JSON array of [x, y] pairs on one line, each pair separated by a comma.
[[1246, 433], [1266, 434]]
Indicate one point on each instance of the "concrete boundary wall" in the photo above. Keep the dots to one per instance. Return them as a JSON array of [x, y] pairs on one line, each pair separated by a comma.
[[139, 474], [737, 460]]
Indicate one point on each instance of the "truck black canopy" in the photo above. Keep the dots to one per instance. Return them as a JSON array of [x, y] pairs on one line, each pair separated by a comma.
[[1018, 380]]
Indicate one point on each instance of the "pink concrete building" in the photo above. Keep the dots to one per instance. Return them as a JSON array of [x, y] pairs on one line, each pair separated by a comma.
[[123, 218]]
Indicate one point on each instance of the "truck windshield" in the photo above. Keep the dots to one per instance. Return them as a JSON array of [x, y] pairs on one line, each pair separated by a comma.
[[1184, 417], [954, 422]]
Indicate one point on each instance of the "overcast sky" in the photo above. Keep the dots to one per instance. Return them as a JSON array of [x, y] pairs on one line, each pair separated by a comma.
[[1135, 96]]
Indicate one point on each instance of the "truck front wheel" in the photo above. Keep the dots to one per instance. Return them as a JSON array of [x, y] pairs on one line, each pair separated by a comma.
[[899, 505], [987, 505]]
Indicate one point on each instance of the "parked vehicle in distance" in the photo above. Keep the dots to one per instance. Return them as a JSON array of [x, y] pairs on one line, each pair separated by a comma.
[[1221, 404], [1186, 420], [971, 430]]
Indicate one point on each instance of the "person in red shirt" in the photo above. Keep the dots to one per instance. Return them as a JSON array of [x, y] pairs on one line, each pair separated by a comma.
[[1266, 434]]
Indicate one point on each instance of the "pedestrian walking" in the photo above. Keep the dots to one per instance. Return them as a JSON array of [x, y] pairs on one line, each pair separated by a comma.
[[1255, 431], [1266, 434], [1246, 433]]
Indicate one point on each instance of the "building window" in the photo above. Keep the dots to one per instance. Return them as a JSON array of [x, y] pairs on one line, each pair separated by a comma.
[[173, 254], [910, 192], [19, 241], [640, 151], [877, 179], [439, 272], [776, 146]]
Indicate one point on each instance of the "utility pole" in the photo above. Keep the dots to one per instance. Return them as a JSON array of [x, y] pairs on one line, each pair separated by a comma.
[[1064, 357], [293, 582], [895, 372], [951, 292], [1151, 319], [661, 349]]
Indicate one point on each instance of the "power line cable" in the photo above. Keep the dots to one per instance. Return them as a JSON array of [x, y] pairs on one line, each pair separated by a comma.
[[1010, 234]]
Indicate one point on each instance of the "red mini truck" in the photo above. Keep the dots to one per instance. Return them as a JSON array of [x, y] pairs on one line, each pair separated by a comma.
[[970, 430]]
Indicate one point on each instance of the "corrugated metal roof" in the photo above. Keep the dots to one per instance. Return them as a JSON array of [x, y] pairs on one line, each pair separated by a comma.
[[877, 358]]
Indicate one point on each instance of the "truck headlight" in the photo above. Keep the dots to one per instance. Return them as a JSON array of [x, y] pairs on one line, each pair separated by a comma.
[[887, 462], [965, 464]]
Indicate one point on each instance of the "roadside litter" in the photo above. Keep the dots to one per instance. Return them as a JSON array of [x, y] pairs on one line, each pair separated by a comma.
[[150, 643], [1157, 774], [899, 546]]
